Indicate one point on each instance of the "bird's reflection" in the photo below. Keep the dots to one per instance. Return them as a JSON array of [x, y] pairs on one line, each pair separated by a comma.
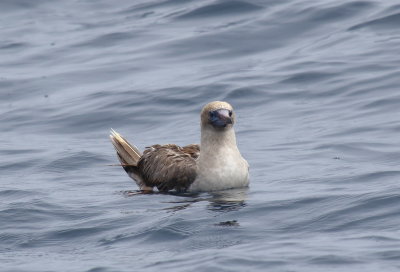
[[221, 201]]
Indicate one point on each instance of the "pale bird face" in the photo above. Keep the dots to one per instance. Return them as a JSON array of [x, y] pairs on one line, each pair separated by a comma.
[[218, 115]]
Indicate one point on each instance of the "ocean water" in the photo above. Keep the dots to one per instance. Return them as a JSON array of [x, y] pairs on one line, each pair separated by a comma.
[[315, 85]]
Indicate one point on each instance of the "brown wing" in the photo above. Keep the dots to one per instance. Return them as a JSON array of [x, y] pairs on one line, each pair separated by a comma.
[[169, 166]]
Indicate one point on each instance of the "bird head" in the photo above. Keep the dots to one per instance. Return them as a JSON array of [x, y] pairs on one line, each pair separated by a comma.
[[218, 115]]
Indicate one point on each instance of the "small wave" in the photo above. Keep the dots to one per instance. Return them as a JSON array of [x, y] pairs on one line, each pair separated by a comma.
[[223, 8], [383, 23], [74, 161]]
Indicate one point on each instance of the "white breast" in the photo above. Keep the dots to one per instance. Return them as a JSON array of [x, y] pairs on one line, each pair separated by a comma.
[[225, 171]]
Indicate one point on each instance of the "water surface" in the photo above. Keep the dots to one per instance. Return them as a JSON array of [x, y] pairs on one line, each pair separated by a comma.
[[315, 87]]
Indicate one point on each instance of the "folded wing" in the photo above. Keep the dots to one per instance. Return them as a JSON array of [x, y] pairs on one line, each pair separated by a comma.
[[169, 167], [166, 167]]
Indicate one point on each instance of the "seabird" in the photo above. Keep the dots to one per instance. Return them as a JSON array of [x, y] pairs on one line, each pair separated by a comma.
[[214, 165]]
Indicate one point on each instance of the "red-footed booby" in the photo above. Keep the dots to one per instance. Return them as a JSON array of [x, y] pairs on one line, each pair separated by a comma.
[[214, 165]]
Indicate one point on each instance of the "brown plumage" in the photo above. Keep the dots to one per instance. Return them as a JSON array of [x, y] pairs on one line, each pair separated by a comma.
[[169, 167], [166, 167]]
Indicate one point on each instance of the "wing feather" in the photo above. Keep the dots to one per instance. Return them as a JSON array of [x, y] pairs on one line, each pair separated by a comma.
[[169, 166]]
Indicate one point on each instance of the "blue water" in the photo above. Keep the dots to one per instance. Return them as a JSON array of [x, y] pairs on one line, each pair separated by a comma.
[[315, 85]]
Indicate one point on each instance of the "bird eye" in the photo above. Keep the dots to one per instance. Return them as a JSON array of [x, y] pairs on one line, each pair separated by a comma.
[[230, 113]]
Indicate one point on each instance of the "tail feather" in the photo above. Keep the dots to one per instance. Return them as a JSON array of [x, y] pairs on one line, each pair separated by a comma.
[[128, 154]]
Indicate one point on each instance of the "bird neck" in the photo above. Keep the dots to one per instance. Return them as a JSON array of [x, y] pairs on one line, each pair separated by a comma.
[[214, 142]]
